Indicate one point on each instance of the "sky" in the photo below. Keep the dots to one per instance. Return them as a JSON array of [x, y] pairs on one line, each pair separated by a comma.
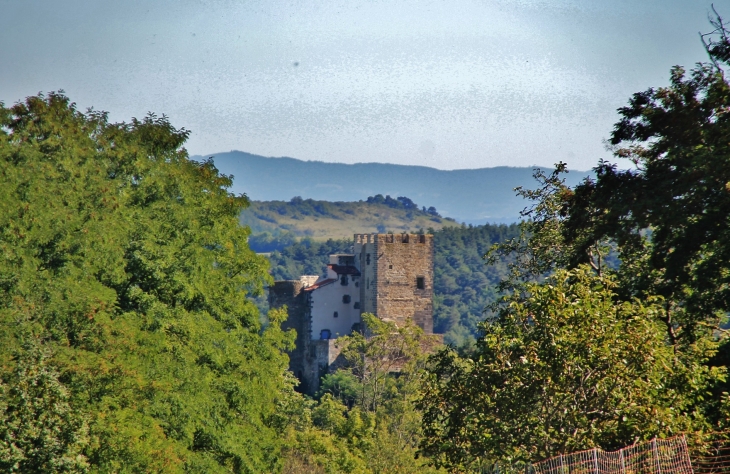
[[454, 84]]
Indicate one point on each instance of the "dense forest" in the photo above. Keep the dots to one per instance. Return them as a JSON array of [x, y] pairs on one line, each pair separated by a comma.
[[130, 340]]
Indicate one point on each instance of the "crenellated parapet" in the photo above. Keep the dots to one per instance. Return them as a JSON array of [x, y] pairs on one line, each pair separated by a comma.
[[393, 238]]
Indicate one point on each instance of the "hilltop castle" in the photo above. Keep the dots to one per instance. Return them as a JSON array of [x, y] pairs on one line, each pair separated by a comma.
[[389, 275]]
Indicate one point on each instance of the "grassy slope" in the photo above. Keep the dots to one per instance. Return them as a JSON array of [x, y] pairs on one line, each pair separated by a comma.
[[322, 220]]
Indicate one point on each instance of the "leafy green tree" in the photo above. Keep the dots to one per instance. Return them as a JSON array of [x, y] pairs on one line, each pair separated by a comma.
[[323, 436], [383, 349], [668, 215], [126, 262], [655, 238], [563, 367], [365, 420]]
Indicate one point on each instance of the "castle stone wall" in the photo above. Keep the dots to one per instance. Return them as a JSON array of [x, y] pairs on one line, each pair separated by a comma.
[[389, 283], [289, 293]]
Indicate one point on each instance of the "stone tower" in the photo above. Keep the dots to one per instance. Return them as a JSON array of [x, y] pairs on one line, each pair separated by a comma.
[[397, 277], [389, 275]]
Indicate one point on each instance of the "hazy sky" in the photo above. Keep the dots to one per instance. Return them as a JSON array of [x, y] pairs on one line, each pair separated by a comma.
[[448, 84]]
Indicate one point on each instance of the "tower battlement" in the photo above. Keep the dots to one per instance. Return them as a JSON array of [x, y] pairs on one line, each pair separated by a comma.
[[393, 238]]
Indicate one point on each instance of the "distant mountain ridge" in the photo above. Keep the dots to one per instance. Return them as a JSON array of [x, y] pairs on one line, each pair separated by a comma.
[[474, 196]]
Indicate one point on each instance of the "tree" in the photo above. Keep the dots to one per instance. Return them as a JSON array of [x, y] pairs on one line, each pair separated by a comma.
[[668, 216], [365, 419], [125, 261], [375, 355], [563, 367], [639, 264]]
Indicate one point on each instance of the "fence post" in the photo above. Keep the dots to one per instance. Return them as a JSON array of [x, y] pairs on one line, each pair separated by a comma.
[[656, 455], [623, 461], [595, 459]]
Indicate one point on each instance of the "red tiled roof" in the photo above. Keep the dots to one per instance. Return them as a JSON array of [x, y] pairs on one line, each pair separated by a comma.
[[320, 284], [344, 270]]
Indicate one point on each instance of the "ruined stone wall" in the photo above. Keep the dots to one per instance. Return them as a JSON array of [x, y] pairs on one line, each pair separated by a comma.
[[289, 293], [325, 358], [310, 359], [389, 286]]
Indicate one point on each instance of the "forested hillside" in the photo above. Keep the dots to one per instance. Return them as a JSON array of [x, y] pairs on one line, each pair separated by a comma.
[[463, 283]]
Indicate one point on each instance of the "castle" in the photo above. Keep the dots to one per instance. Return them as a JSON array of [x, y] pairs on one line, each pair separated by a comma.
[[389, 275]]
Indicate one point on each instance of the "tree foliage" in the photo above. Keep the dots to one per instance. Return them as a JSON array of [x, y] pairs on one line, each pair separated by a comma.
[[382, 350], [668, 215], [123, 261], [562, 368], [364, 420], [464, 285], [617, 289]]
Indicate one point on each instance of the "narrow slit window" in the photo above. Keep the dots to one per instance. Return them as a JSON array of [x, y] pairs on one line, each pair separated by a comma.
[[420, 283]]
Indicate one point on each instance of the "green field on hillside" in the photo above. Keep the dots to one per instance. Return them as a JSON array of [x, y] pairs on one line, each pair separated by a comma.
[[322, 220]]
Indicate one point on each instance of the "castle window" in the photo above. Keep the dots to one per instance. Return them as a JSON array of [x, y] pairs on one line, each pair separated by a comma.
[[343, 280], [420, 283], [346, 299], [422, 239], [336, 314], [390, 267], [367, 259], [356, 305]]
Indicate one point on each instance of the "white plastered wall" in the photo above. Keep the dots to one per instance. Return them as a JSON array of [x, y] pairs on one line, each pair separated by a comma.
[[328, 299]]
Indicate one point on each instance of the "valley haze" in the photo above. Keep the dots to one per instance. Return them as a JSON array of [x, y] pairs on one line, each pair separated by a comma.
[[473, 196]]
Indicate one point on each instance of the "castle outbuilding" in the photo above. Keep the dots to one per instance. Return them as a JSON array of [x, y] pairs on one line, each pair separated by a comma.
[[389, 275]]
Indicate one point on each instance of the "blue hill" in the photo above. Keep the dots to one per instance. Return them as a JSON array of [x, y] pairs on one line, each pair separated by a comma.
[[475, 196]]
